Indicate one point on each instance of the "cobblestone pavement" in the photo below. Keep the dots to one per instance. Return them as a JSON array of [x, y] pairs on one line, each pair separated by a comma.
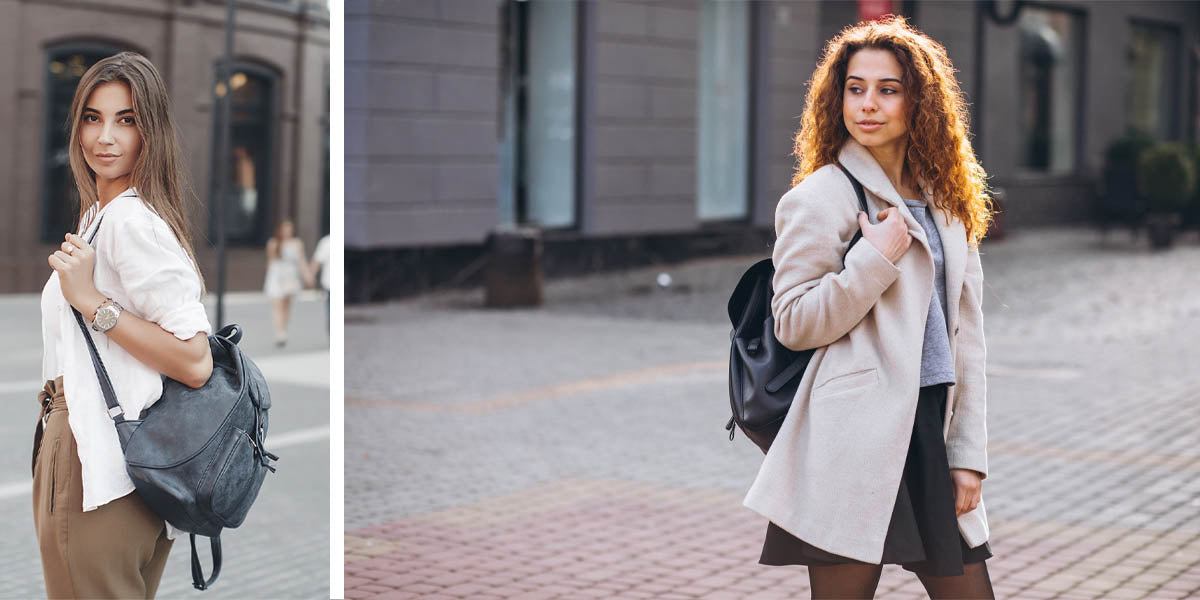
[[282, 550], [577, 450]]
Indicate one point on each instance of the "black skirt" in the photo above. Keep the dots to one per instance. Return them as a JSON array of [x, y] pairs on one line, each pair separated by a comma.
[[923, 535]]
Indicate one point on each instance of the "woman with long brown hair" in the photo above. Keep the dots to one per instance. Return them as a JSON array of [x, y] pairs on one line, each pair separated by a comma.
[[130, 270], [882, 455]]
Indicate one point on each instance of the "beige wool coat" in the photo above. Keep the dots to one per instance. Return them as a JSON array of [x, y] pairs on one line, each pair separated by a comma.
[[832, 474]]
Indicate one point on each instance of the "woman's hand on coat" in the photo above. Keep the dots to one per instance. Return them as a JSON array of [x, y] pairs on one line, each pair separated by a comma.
[[75, 261], [889, 236], [968, 490]]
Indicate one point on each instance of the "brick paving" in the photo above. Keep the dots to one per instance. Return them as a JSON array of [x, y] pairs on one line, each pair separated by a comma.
[[577, 450]]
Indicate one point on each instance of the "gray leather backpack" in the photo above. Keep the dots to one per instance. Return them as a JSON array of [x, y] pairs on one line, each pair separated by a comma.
[[196, 456]]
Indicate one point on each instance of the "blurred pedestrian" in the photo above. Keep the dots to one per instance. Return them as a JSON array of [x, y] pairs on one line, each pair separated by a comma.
[[138, 284], [882, 455], [287, 273], [320, 264]]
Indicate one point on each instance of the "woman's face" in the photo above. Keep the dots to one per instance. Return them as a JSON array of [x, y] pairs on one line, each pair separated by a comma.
[[286, 230], [873, 104], [108, 131]]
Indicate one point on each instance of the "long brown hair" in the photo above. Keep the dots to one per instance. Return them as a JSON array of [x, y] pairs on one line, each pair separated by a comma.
[[158, 174], [939, 150]]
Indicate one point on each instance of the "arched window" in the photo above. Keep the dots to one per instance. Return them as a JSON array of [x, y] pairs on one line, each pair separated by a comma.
[[65, 65], [252, 154]]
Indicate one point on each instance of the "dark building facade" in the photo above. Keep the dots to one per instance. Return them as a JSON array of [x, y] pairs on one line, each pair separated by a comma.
[[653, 130], [280, 119]]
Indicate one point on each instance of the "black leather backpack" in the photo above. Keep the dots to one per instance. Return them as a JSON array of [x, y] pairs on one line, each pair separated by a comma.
[[763, 373], [196, 456]]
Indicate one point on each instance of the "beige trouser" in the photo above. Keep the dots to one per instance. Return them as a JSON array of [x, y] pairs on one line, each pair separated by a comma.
[[116, 551]]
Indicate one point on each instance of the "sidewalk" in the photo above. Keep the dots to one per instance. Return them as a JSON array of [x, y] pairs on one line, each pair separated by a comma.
[[578, 450]]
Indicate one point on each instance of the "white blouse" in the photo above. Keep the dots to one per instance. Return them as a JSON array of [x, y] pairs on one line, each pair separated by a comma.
[[141, 265]]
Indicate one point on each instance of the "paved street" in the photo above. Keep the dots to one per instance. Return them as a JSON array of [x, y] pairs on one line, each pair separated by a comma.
[[578, 450], [282, 550]]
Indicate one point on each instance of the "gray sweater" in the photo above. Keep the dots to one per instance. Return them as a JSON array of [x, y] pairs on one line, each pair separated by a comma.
[[936, 364]]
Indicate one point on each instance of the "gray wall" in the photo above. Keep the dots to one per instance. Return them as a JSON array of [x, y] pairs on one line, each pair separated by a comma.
[[422, 111], [1035, 198], [422, 161], [645, 131], [795, 48]]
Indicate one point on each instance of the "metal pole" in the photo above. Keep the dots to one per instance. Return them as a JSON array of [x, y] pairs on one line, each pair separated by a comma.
[[223, 154]]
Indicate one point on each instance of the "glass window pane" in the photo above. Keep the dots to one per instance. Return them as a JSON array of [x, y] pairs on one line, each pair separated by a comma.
[[724, 90], [1153, 54], [548, 163], [60, 200], [1049, 75], [251, 152]]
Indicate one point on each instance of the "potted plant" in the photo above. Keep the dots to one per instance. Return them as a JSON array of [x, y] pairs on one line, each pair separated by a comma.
[[1191, 212], [1120, 201], [1167, 179]]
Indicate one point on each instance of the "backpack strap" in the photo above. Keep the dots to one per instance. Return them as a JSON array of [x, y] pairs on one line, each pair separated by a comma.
[[862, 200], [198, 581]]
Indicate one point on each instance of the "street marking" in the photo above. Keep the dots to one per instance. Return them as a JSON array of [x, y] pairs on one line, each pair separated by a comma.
[[309, 369], [274, 442], [1056, 374], [306, 368], [550, 392], [32, 387]]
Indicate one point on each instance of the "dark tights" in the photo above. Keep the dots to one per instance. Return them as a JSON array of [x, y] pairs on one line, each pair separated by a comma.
[[860, 581]]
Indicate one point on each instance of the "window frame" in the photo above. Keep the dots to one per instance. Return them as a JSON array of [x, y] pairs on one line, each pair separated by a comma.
[[1078, 170], [266, 202], [50, 133], [1173, 89]]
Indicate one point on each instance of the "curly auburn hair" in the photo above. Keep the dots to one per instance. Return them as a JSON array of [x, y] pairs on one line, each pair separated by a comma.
[[938, 149]]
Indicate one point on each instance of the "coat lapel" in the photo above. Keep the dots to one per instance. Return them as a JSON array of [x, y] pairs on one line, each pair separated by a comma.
[[858, 160], [954, 255]]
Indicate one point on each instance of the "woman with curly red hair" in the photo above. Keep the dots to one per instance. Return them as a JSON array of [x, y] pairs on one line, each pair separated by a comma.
[[883, 453]]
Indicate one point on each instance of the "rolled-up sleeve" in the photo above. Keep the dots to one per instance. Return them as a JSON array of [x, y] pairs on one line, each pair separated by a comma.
[[158, 277]]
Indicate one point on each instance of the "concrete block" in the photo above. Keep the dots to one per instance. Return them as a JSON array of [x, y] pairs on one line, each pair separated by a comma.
[[674, 23], [409, 42], [674, 102], [479, 12], [429, 136], [461, 92], [672, 180], [401, 184], [621, 100], [620, 181], [458, 182], [514, 268], [418, 9], [621, 18], [390, 88]]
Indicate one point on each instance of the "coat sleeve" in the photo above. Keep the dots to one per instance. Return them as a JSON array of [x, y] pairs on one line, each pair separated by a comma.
[[818, 296], [966, 440]]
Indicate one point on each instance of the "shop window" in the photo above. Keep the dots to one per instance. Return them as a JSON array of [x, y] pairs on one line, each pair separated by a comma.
[[1153, 71], [252, 155], [1049, 83], [65, 65], [723, 144]]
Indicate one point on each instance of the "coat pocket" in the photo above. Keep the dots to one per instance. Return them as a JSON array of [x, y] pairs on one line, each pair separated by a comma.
[[847, 382]]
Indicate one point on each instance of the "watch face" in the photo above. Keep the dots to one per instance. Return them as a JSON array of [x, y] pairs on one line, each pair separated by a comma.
[[106, 318]]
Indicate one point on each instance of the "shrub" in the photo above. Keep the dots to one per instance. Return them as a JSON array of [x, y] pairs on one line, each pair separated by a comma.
[[1166, 177]]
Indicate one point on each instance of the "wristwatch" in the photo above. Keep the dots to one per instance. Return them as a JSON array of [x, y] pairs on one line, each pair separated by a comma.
[[106, 315]]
